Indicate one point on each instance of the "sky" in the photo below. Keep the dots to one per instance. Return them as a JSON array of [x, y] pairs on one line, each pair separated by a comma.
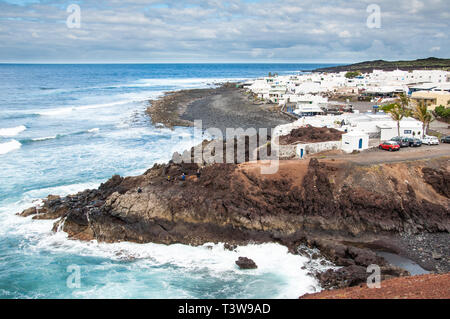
[[197, 31]]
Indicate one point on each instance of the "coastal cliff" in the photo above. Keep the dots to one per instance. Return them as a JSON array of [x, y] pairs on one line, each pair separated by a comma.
[[339, 207]]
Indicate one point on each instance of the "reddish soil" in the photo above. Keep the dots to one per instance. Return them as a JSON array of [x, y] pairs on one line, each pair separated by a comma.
[[311, 135], [415, 287], [376, 156]]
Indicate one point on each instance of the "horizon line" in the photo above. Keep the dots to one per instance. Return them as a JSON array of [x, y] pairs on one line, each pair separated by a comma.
[[56, 63]]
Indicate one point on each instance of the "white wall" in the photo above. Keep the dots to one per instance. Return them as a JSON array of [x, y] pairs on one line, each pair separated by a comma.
[[388, 133], [350, 142], [291, 151], [314, 148]]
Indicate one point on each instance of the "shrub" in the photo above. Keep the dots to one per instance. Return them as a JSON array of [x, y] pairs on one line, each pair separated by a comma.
[[443, 112], [352, 74], [388, 107]]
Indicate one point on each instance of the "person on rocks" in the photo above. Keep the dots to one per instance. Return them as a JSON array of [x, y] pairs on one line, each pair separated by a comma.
[[183, 177], [198, 173], [139, 190]]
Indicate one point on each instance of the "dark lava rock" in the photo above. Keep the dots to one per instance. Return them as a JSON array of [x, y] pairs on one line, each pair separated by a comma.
[[344, 277], [438, 179], [229, 247], [28, 212], [311, 135], [246, 263], [355, 275]]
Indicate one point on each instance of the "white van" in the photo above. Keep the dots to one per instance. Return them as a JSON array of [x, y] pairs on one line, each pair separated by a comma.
[[430, 140]]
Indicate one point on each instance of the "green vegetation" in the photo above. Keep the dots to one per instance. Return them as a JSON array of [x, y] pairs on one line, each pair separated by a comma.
[[397, 113], [369, 66], [422, 114], [443, 112], [352, 74], [387, 108], [399, 110]]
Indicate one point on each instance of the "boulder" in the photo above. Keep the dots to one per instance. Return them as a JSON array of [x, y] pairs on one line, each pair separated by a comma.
[[28, 212], [246, 263]]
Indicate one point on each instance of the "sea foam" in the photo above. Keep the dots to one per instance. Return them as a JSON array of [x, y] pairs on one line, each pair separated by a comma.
[[9, 147], [279, 273], [13, 131]]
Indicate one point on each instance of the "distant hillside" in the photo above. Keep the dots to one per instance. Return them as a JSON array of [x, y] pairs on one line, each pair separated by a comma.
[[369, 66]]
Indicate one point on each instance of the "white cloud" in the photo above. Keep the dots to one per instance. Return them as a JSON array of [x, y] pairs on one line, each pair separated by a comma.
[[345, 34], [415, 6], [233, 30]]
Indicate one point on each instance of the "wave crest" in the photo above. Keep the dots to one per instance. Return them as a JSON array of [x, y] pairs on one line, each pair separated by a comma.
[[12, 131], [9, 146]]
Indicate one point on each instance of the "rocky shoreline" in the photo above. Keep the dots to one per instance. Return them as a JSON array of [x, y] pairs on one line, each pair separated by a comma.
[[342, 210]]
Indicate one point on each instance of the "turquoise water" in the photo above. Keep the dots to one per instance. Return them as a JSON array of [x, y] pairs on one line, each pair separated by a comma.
[[65, 128]]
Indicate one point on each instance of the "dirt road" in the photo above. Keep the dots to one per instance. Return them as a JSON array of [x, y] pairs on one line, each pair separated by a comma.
[[376, 156]]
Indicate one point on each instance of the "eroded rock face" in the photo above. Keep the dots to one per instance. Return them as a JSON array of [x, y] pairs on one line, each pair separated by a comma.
[[235, 204], [438, 179], [232, 203]]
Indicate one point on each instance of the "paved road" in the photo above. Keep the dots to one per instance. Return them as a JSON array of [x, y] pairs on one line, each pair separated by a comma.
[[441, 127]]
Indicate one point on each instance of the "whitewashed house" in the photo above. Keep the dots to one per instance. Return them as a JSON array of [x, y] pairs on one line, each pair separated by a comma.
[[355, 141]]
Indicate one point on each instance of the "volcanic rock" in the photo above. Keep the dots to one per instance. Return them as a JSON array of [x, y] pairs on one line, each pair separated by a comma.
[[246, 263]]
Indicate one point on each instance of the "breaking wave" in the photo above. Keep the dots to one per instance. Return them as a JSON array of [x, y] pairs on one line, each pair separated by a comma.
[[9, 146], [58, 136], [13, 131]]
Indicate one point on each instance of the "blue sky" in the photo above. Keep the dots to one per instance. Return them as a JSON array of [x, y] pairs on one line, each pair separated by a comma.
[[222, 31]]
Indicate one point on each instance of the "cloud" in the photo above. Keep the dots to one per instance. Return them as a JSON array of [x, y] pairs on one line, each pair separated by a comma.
[[221, 30], [345, 34]]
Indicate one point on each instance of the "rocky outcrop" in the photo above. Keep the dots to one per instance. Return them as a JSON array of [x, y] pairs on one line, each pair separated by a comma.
[[236, 204], [354, 261], [246, 263], [311, 135]]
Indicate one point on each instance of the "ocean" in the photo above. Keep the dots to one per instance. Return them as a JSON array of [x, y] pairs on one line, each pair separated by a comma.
[[65, 128]]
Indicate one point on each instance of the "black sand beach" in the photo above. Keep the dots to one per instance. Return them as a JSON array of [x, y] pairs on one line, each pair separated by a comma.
[[223, 107]]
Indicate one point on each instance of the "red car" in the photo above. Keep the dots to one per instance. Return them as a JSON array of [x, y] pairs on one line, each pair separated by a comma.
[[389, 146]]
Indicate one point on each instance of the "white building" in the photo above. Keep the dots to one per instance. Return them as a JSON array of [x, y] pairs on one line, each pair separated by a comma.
[[284, 89], [308, 109], [378, 125], [408, 128], [355, 141]]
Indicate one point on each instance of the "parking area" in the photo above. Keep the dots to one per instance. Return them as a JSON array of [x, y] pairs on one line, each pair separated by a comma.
[[377, 156]]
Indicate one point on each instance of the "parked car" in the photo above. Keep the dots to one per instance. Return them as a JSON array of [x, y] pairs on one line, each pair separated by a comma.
[[445, 139], [402, 141], [389, 146], [414, 142], [430, 140]]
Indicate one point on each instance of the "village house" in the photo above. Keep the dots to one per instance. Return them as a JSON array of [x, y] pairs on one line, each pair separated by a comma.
[[431, 98]]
